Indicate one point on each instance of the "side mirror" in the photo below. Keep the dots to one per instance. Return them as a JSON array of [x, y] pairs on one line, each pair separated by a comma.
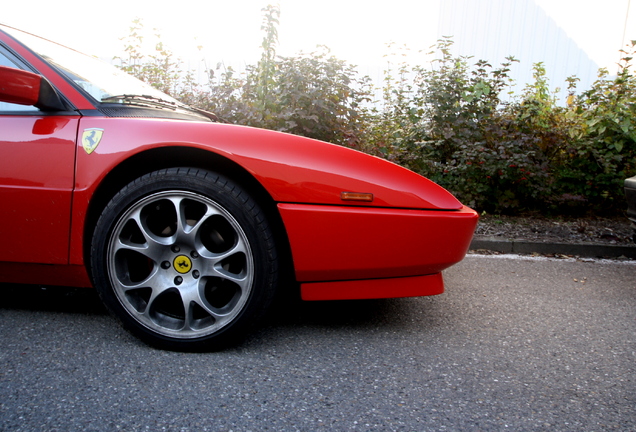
[[26, 88]]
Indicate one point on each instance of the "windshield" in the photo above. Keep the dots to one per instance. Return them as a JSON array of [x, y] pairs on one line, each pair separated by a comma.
[[99, 79]]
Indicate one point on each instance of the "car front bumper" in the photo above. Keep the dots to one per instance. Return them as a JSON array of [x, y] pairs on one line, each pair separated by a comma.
[[339, 251]]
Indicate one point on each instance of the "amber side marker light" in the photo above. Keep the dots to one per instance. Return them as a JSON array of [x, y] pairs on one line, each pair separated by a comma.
[[356, 196]]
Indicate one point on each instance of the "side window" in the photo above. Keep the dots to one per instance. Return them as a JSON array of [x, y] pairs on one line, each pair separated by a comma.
[[9, 108]]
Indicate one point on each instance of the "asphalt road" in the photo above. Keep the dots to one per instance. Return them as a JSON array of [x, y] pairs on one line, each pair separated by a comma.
[[514, 344]]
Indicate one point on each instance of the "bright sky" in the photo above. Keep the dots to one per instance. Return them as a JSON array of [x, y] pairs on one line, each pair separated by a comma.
[[229, 30]]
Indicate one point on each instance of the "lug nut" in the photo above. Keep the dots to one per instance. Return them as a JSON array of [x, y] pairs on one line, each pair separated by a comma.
[[178, 280], [165, 265], [175, 248], [196, 274], [194, 254]]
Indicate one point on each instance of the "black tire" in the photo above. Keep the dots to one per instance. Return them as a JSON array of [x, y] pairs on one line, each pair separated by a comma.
[[185, 259]]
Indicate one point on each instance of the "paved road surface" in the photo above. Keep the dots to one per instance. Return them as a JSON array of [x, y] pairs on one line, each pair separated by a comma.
[[514, 344]]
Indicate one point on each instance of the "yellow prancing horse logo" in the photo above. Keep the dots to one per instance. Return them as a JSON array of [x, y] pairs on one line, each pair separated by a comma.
[[182, 264], [91, 138]]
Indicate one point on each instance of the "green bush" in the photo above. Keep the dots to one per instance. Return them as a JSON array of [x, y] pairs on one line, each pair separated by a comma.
[[603, 149], [455, 121], [460, 125], [314, 95], [454, 127]]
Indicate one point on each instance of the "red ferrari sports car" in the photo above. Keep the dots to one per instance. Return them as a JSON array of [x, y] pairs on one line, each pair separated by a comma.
[[186, 225]]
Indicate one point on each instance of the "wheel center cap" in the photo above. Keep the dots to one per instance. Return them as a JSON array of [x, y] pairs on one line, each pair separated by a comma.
[[182, 264]]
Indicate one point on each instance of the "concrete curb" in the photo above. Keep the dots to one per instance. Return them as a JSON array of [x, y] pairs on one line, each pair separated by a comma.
[[527, 247]]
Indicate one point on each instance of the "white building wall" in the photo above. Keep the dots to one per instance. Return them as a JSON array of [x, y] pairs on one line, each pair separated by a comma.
[[493, 29]]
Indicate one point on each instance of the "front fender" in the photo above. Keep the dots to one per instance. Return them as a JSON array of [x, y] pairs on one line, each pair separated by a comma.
[[291, 168]]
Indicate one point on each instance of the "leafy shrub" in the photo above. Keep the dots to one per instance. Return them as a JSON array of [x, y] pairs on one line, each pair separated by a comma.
[[454, 121], [453, 127], [603, 150], [460, 125], [314, 95], [159, 68]]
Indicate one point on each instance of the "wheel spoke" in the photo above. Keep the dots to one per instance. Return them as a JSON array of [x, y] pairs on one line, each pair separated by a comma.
[[239, 247], [193, 297], [182, 229], [152, 246], [154, 294], [239, 279], [188, 225], [217, 265], [152, 281]]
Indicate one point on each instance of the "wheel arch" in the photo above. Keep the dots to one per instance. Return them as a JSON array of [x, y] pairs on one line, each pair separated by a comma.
[[172, 157]]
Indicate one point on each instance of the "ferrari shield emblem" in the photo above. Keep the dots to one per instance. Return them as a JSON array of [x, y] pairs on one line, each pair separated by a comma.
[[91, 138]]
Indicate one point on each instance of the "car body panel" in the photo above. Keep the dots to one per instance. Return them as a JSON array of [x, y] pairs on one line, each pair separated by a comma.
[[414, 286], [37, 160], [44, 274], [292, 169], [393, 243], [345, 243]]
